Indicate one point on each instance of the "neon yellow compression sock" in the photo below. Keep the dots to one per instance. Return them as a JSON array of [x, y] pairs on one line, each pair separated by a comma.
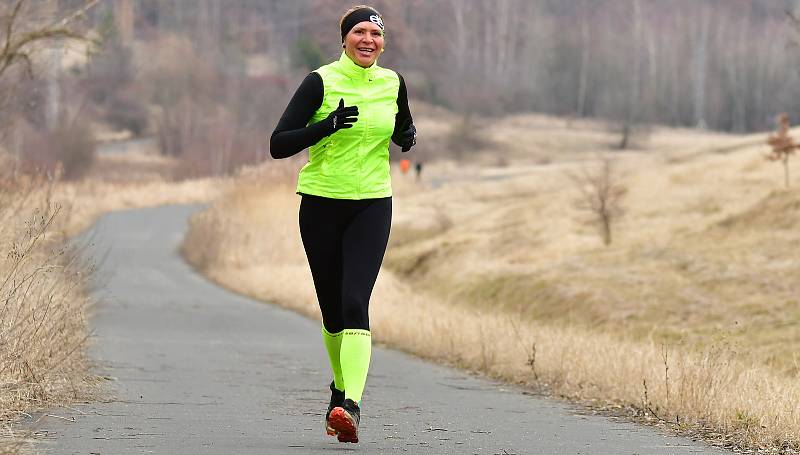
[[333, 344], [355, 355]]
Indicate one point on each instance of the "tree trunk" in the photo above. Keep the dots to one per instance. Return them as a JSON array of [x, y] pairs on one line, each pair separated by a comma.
[[583, 78], [700, 70], [626, 135], [53, 87], [18, 138], [124, 16], [460, 39], [606, 230], [636, 89], [786, 170]]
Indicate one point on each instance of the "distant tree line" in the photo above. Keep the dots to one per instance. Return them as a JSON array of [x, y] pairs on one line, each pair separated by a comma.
[[721, 64], [206, 76]]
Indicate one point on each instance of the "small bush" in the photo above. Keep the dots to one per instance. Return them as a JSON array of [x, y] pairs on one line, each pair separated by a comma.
[[68, 149], [464, 139], [109, 71], [76, 149], [221, 148], [128, 113], [43, 285]]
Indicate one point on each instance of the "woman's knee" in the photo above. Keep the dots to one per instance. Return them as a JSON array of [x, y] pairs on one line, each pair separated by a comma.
[[356, 316], [333, 323]]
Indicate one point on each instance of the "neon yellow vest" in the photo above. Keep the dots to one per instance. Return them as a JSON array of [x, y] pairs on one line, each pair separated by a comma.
[[353, 163]]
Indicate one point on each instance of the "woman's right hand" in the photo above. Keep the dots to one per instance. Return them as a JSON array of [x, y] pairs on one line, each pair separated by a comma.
[[342, 117]]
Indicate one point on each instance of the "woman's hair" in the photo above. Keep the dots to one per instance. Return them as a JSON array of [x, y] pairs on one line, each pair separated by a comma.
[[355, 8]]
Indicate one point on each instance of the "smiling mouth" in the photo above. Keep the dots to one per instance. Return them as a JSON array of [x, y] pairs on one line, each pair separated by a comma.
[[366, 50]]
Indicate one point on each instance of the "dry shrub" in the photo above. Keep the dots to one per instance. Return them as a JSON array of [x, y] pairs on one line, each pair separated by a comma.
[[631, 135], [69, 149], [783, 145], [43, 283], [465, 138], [184, 88], [174, 128], [215, 238], [601, 195], [127, 112], [219, 149], [75, 148], [688, 391], [211, 117]]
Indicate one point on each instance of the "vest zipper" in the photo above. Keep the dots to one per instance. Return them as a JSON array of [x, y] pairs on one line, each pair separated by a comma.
[[361, 153]]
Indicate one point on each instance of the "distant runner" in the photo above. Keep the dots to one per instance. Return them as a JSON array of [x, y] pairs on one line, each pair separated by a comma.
[[346, 206], [405, 164]]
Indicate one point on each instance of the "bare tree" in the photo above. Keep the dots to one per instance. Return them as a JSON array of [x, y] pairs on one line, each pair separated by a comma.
[[583, 74], [632, 111], [600, 194], [458, 39], [700, 65], [738, 58], [19, 37], [795, 21], [124, 19], [783, 145]]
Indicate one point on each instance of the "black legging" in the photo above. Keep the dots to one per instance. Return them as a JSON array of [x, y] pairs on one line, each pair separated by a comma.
[[345, 241]]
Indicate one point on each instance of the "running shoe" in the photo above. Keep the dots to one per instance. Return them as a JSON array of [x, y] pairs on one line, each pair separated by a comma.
[[344, 420], [337, 400]]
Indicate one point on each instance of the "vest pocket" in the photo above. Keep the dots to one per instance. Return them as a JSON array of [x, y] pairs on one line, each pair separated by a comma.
[[340, 155], [325, 150]]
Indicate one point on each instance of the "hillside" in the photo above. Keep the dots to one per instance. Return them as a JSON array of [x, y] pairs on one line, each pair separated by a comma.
[[701, 255], [496, 270]]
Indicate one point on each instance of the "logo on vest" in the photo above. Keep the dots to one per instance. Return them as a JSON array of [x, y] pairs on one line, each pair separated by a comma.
[[376, 20]]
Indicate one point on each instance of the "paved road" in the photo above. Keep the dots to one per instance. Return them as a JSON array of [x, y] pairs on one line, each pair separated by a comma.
[[203, 371], [127, 146]]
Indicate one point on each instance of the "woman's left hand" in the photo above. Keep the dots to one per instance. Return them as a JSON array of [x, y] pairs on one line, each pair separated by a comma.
[[408, 136]]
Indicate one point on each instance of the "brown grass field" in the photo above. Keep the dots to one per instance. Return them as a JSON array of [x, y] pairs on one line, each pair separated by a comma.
[[689, 319]]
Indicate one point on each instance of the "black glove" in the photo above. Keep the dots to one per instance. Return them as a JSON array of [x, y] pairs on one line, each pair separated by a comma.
[[407, 136], [342, 117]]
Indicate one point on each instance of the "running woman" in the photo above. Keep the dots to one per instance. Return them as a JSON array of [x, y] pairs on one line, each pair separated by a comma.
[[346, 112]]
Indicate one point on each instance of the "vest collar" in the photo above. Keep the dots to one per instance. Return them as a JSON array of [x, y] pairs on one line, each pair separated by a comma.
[[352, 70]]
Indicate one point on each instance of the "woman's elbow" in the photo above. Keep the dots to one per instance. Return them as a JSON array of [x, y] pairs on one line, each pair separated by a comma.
[[275, 148]]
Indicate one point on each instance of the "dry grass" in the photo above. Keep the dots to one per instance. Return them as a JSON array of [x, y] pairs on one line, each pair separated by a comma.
[[689, 319], [128, 181], [87, 200], [44, 282], [43, 332], [133, 167]]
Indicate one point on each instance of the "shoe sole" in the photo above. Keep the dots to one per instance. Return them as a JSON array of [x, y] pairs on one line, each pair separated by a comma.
[[342, 422], [330, 431]]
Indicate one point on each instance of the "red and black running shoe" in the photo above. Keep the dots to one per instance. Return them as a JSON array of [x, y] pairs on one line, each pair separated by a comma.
[[344, 420], [337, 400]]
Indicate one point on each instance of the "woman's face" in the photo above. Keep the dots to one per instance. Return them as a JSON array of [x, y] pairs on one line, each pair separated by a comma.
[[364, 43]]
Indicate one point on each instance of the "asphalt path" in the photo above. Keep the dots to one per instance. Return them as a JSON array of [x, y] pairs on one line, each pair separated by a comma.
[[126, 146], [200, 370]]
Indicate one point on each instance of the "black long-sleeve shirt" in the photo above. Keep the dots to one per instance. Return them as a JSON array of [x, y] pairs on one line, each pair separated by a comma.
[[293, 134]]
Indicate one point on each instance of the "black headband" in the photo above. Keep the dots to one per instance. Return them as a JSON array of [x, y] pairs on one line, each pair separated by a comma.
[[360, 15]]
